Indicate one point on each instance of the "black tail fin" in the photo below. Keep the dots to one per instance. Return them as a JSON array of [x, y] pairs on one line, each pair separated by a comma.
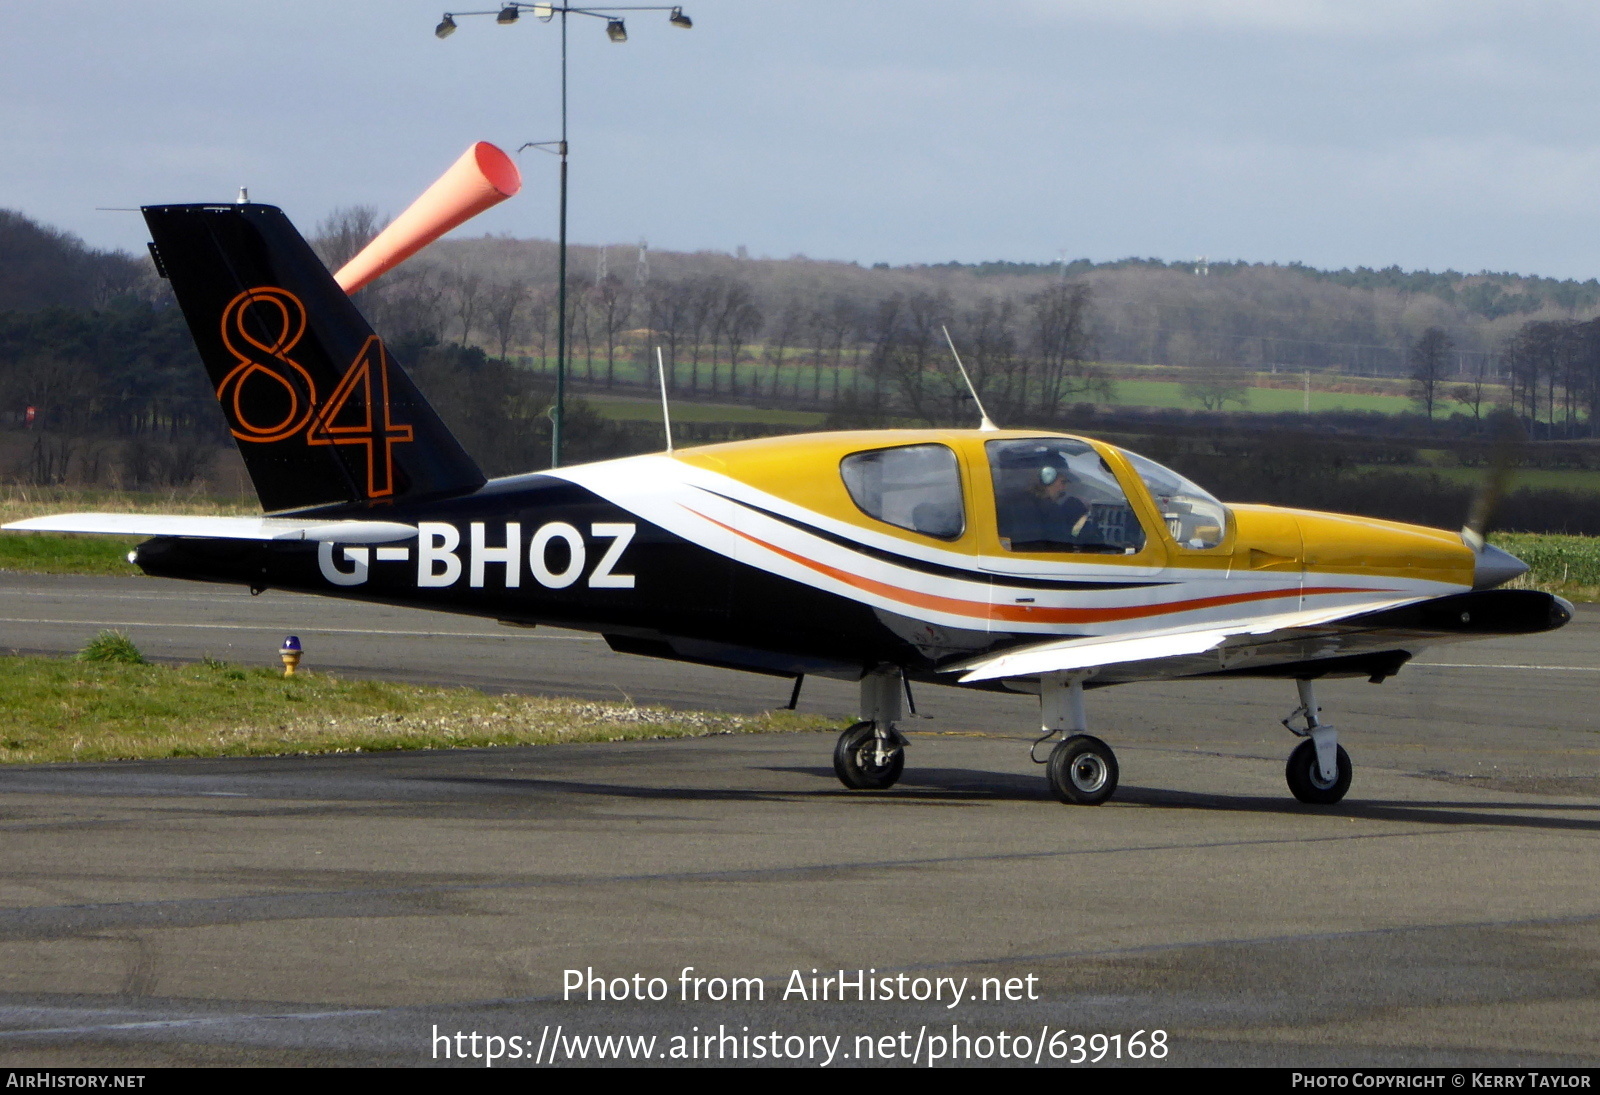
[[320, 411]]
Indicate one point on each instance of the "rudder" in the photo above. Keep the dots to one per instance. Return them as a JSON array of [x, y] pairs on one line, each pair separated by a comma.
[[319, 410]]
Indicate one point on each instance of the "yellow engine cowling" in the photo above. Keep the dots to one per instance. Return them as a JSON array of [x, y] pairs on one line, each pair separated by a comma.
[[1270, 538]]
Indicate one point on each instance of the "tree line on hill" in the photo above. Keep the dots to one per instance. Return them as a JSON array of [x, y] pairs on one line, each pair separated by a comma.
[[498, 293]]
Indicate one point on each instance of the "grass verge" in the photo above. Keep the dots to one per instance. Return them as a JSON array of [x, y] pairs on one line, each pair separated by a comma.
[[54, 709], [63, 553], [1568, 566]]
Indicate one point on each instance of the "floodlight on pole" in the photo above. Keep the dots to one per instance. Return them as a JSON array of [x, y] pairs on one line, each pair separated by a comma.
[[617, 31]]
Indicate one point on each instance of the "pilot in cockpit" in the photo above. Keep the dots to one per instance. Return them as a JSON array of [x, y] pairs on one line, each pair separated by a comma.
[[1065, 508], [1045, 508]]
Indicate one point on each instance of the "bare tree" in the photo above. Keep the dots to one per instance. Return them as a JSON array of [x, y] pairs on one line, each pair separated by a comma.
[[578, 316], [1215, 388], [735, 319], [742, 324], [504, 302], [906, 340], [467, 293], [344, 232], [613, 308], [1063, 341], [542, 319], [1471, 393], [989, 347], [781, 337], [1430, 362], [412, 299], [669, 308], [840, 322], [700, 306]]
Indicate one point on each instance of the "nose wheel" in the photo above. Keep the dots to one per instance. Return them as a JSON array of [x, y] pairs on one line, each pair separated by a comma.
[[1306, 780], [1319, 769]]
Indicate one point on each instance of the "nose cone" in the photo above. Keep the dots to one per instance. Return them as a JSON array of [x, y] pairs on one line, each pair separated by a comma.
[[1494, 567]]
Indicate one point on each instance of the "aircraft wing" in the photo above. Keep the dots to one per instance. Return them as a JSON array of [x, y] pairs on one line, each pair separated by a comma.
[[223, 528], [1176, 644]]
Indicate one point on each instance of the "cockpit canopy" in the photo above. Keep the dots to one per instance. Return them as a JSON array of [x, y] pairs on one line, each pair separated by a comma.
[[1051, 494]]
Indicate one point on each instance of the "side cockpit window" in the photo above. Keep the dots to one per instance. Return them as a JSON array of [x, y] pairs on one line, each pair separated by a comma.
[[1056, 494], [1193, 516], [916, 487]]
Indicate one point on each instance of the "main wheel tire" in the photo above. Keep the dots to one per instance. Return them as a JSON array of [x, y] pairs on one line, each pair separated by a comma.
[[857, 764], [1305, 775], [1082, 771]]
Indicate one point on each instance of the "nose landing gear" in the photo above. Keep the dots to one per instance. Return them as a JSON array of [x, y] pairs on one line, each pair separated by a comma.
[[1319, 769], [871, 754]]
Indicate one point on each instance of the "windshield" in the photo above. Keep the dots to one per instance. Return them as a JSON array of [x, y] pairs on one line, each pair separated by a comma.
[[1056, 494], [1192, 515]]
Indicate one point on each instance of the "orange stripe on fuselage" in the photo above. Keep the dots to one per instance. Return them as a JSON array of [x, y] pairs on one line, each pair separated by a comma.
[[1026, 613]]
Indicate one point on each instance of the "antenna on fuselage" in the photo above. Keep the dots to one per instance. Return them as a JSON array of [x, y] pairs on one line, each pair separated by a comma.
[[666, 416], [985, 422]]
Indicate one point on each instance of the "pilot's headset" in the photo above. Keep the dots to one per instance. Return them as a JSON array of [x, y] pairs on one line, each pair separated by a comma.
[[1049, 473]]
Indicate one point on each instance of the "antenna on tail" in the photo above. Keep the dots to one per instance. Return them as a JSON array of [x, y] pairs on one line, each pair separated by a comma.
[[985, 423]]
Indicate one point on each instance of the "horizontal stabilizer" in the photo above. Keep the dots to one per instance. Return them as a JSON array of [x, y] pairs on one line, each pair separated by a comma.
[[221, 528], [1065, 655]]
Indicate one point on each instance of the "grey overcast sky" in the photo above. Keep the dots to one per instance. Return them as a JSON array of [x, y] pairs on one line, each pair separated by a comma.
[[1428, 133]]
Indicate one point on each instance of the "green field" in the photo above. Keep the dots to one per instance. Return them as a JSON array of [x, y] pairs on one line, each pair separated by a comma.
[[631, 409], [1169, 393], [1573, 479], [53, 553], [50, 553], [1128, 393]]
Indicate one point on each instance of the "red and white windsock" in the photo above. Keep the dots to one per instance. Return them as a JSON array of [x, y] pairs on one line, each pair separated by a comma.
[[484, 176]]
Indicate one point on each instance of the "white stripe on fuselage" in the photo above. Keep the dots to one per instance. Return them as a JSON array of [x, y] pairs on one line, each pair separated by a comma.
[[703, 507]]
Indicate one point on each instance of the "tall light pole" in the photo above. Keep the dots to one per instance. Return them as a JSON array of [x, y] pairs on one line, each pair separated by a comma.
[[617, 32]]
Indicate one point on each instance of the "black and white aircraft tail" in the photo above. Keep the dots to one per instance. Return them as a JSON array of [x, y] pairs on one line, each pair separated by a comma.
[[321, 413]]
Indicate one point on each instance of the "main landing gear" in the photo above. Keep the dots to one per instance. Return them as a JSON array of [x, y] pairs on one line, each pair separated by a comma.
[[871, 754], [1319, 769], [1081, 768]]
